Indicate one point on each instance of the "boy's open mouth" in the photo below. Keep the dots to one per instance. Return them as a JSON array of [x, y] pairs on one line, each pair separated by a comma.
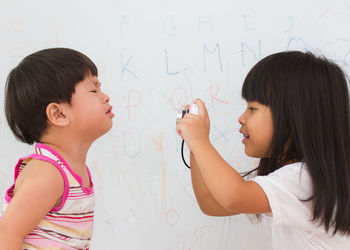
[[109, 110]]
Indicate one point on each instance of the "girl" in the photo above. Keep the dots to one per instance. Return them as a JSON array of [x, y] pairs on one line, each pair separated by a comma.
[[53, 98], [297, 123]]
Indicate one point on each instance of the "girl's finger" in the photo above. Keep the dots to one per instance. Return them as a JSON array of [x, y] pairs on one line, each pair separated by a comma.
[[178, 131], [202, 110]]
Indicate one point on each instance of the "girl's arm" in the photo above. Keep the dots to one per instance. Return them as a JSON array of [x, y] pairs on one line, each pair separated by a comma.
[[38, 189], [225, 184], [206, 200]]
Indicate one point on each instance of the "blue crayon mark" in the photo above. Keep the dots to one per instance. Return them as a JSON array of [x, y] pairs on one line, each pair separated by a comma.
[[169, 26], [167, 66], [347, 53], [207, 23], [245, 47], [247, 28], [296, 40], [138, 149], [291, 24], [123, 21], [205, 49], [125, 69], [221, 134]]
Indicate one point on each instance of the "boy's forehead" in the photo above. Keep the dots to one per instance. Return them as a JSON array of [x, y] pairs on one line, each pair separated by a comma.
[[92, 80], [88, 82], [96, 81]]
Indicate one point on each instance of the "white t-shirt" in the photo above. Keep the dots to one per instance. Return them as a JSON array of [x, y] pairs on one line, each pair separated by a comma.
[[291, 219]]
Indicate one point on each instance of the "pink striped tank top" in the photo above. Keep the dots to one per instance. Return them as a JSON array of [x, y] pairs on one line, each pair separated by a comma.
[[70, 225]]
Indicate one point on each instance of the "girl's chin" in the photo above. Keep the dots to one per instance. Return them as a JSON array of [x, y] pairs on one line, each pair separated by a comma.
[[253, 154]]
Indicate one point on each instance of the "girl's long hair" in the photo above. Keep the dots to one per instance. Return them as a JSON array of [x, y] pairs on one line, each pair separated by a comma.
[[309, 100]]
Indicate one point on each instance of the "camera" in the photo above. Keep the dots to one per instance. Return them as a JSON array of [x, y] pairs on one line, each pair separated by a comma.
[[193, 110]]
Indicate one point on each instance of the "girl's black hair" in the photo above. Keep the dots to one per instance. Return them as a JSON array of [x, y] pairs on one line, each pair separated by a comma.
[[41, 78], [309, 100]]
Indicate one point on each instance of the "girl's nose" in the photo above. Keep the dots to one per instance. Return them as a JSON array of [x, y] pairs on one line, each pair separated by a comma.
[[241, 120]]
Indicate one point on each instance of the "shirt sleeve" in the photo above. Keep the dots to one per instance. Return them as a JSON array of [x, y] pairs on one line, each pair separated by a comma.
[[286, 188]]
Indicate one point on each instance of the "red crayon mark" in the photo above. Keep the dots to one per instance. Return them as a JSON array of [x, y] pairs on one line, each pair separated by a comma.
[[20, 35], [178, 99], [52, 35], [188, 240], [199, 234], [347, 5], [133, 100], [172, 216], [159, 143], [101, 67], [189, 191], [327, 10], [214, 93]]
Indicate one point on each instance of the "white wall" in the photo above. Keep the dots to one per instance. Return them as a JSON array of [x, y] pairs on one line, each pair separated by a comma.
[[155, 56]]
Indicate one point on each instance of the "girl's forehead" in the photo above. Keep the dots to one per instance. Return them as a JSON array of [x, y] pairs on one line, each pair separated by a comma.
[[254, 103]]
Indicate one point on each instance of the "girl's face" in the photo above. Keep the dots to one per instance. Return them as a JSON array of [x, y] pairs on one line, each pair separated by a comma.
[[257, 129]]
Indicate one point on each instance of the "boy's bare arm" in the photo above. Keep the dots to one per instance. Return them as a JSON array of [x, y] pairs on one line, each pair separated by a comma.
[[36, 194]]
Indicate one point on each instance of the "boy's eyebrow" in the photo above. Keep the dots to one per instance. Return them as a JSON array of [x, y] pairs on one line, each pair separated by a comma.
[[96, 83]]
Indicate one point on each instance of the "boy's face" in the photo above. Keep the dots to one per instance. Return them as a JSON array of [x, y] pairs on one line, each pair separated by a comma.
[[90, 111], [257, 129]]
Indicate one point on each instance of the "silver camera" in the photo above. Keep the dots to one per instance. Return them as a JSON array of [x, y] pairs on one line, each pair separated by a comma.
[[193, 110]]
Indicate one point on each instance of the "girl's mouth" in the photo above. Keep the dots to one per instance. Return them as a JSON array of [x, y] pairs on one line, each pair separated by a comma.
[[245, 138]]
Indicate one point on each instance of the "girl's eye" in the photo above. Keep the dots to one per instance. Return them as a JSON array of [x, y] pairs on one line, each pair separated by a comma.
[[93, 91], [251, 109]]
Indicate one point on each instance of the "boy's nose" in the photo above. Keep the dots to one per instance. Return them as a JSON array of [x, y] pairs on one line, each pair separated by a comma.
[[106, 98]]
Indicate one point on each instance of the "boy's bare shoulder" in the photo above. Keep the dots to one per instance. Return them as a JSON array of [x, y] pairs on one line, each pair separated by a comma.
[[39, 169], [41, 174]]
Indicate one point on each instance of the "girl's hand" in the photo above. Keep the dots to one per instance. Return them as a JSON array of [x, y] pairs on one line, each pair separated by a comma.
[[194, 129]]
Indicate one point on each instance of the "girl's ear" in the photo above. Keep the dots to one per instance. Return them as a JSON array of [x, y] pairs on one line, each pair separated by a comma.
[[56, 114]]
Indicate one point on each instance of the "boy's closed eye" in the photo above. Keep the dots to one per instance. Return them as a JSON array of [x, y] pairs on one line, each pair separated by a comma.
[[96, 86], [95, 89]]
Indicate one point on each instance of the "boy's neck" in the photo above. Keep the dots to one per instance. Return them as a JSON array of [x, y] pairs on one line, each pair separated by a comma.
[[74, 153]]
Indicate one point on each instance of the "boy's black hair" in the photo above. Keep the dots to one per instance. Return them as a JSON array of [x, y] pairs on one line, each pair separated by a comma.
[[309, 100], [41, 78]]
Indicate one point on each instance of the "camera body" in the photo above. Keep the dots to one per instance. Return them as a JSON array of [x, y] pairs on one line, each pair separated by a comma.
[[193, 110]]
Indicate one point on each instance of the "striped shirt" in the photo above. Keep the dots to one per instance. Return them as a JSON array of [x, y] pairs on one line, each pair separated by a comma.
[[69, 225]]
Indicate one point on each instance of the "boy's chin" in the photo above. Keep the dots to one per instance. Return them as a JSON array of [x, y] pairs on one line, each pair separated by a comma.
[[106, 131], [103, 132]]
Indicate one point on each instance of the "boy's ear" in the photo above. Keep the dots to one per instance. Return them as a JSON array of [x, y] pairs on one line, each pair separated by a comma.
[[56, 114]]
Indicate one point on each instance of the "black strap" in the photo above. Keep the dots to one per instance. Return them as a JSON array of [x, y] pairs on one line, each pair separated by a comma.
[[184, 112], [182, 154]]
